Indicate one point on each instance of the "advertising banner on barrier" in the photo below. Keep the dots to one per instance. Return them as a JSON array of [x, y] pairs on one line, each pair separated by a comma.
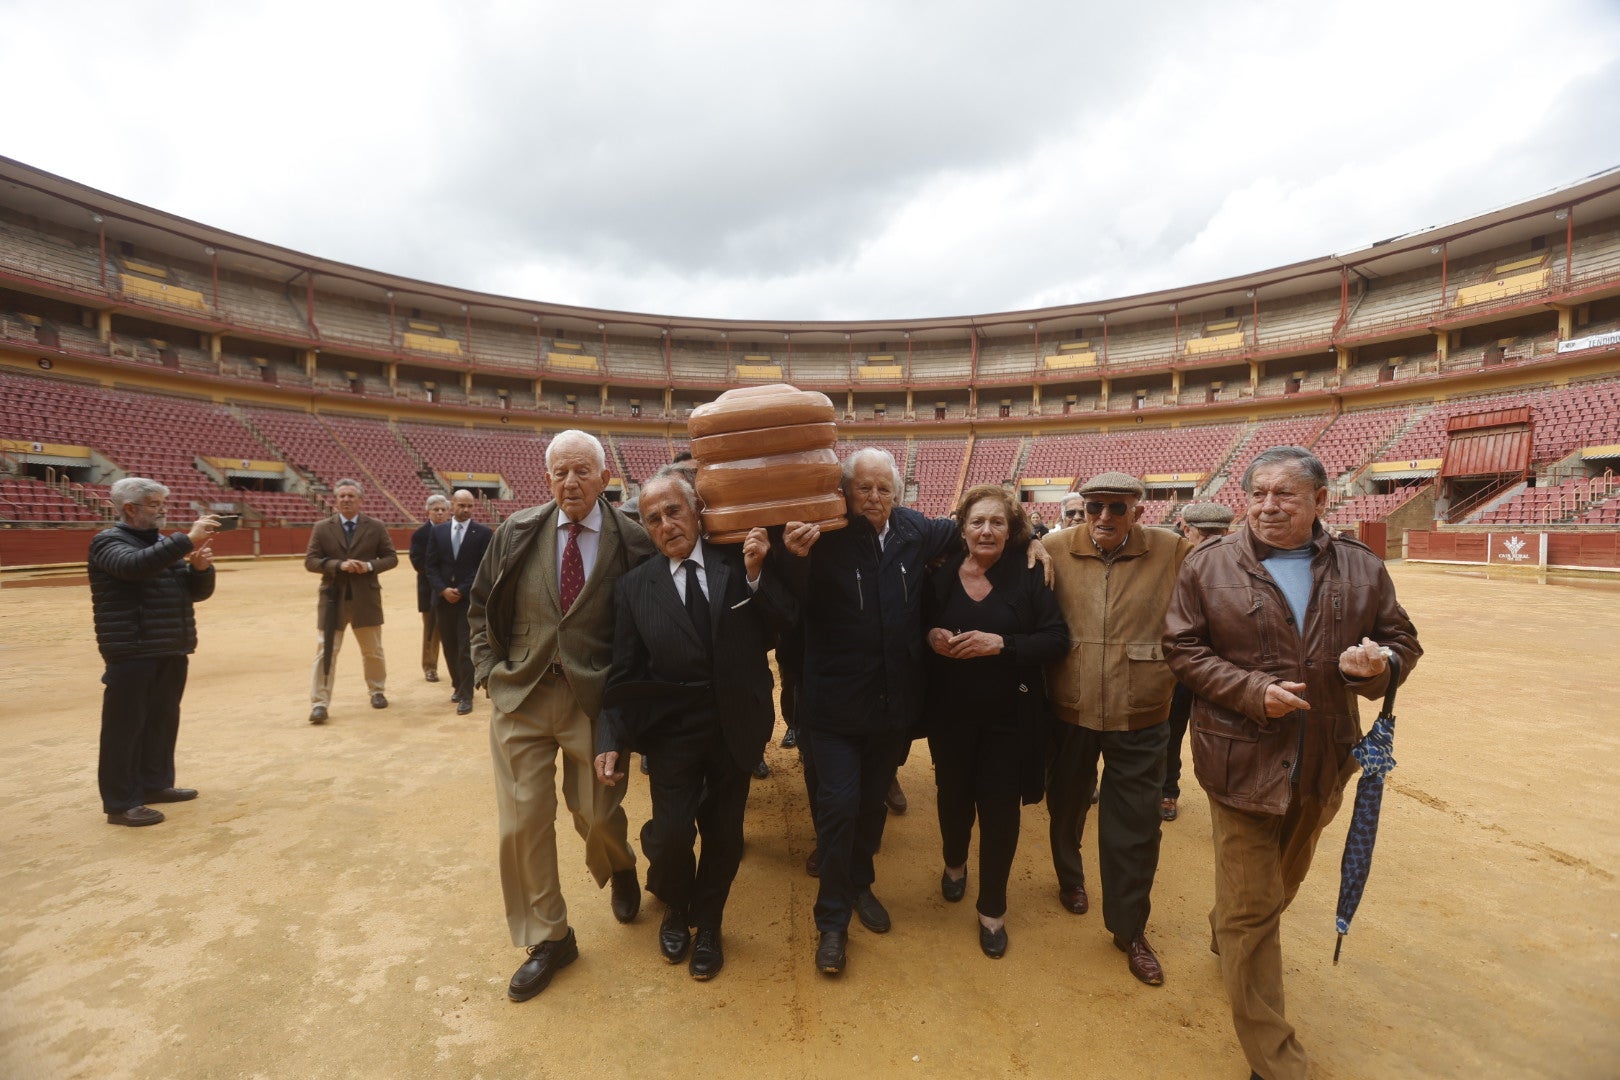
[[1518, 549], [1595, 341]]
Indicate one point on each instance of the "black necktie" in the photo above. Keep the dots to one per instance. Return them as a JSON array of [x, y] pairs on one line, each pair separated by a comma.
[[348, 533], [697, 606]]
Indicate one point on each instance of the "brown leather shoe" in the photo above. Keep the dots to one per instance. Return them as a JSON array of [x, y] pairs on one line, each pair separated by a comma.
[[1140, 958], [812, 863], [1074, 899], [1167, 809]]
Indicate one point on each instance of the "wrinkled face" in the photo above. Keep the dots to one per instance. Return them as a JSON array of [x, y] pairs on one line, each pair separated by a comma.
[[1109, 518], [669, 519], [985, 529], [1283, 505], [871, 493], [1073, 511], [148, 513], [439, 513], [576, 480], [462, 507], [348, 500]]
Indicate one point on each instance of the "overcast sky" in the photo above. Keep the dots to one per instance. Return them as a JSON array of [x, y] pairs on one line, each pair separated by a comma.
[[808, 161]]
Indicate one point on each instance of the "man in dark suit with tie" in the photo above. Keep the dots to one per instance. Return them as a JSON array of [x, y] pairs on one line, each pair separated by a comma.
[[349, 550], [690, 684], [438, 512], [455, 548]]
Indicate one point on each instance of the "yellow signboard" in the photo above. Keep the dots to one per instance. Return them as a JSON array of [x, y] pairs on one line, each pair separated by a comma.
[[223, 464], [880, 371], [23, 446], [571, 361], [426, 343], [158, 292]]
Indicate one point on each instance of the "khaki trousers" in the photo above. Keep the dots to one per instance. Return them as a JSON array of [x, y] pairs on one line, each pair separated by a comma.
[[524, 745], [1260, 860], [371, 655], [430, 642]]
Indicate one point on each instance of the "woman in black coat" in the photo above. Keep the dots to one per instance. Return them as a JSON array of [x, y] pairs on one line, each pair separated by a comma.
[[993, 624]]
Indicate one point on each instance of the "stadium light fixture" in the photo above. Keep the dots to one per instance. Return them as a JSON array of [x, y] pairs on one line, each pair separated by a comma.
[[1560, 215], [1249, 294], [210, 252], [1435, 250], [600, 326]]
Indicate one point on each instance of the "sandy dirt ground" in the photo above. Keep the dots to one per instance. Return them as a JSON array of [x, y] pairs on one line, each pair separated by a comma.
[[330, 906]]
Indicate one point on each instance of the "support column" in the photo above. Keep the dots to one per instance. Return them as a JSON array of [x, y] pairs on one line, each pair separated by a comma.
[[1346, 357], [602, 409], [309, 364], [538, 386], [911, 404], [466, 385], [1257, 371], [212, 343], [393, 376], [1175, 385], [1566, 321], [849, 404], [1102, 392], [104, 326], [1035, 406], [1442, 345]]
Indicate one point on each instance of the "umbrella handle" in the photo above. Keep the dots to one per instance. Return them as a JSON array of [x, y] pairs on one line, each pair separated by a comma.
[[1394, 663], [1337, 945]]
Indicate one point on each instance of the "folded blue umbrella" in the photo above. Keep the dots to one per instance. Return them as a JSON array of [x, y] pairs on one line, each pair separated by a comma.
[[1376, 755]]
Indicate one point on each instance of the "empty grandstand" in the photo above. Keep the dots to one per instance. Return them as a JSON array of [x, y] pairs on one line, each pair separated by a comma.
[[123, 351]]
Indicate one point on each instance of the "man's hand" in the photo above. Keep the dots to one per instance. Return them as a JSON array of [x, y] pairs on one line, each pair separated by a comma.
[[1365, 660], [354, 566], [1283, 698], [754, 550], [1039, 554], [451, 596], [607, 766], [939, 639], [201, 558], [799, 537], [204, 527]]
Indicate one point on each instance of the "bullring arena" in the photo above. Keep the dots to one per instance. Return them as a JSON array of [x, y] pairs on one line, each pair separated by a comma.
[[330, 906]]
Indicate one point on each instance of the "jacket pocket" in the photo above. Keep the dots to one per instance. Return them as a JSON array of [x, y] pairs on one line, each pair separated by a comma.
[[1150, 681], [1227, 751], [516, 655]]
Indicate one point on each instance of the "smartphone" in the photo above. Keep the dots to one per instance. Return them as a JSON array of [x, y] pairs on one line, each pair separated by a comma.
[[227, 522]]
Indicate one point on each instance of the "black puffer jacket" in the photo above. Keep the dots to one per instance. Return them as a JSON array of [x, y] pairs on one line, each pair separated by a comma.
[[143, 593]]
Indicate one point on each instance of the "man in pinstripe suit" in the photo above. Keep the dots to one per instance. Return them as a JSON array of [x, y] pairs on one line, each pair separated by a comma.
[[690, 683]]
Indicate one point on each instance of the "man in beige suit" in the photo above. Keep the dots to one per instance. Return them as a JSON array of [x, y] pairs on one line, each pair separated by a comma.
[[348, 550], [540, 617]]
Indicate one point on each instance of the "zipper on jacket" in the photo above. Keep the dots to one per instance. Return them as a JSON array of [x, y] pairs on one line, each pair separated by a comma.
[[905, 588], [859, 594], [1102, 698], [1299, 752]]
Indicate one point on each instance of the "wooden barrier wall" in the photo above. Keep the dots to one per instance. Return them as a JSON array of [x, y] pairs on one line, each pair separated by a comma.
[[1588, 550]]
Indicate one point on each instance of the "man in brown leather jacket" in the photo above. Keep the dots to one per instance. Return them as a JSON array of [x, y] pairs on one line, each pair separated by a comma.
[[1276, 629]]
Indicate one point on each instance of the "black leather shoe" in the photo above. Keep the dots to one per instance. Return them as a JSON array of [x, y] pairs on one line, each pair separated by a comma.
[[545, 960], [136, 816], [953, 889], [872, 914], [673, 937], [762, 771], [464, 706], [378, 701], [895, 800], [172, 794], [707, 957], [993, 942], [317, 715], [830, 951], [790, 740], [812, 863], [626, 895]]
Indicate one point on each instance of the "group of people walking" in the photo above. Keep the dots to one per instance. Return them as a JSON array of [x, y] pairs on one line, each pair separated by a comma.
[[1028, 664]]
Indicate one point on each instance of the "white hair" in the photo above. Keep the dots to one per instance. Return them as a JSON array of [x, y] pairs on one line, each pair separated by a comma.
[[576, 437], [875, 455], [673, 474], [133, 489], [435, 500], [346, 482]]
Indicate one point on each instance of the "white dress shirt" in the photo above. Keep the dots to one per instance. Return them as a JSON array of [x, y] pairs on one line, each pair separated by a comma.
[[590, 538]]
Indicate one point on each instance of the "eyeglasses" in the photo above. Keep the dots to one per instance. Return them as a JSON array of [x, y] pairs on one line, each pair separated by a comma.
[[1118, 509], [1074, 513]]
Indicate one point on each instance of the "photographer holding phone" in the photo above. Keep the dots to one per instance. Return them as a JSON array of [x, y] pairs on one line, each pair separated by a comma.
[[142, 588]]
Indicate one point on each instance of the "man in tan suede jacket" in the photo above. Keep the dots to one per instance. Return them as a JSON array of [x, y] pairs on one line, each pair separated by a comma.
[[1111, 697]]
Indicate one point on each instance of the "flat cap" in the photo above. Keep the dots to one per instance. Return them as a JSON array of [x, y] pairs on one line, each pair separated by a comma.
[[1207, 515], [1113, 483]]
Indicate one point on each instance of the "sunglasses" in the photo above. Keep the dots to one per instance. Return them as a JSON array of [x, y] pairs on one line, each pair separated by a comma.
[[1118, 509], [1073, 513]]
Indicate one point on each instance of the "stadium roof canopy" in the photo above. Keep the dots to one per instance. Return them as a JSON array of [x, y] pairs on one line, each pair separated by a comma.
[[56, 199]]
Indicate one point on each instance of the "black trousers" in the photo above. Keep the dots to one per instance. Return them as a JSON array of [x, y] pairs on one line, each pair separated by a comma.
[[976, 772], [1128, 820], [853, 774], [140, 720], [453, 638], [697, 789], [1180, 711]]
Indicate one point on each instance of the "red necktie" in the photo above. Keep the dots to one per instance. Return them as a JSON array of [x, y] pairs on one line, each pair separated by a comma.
[[573, 568]]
